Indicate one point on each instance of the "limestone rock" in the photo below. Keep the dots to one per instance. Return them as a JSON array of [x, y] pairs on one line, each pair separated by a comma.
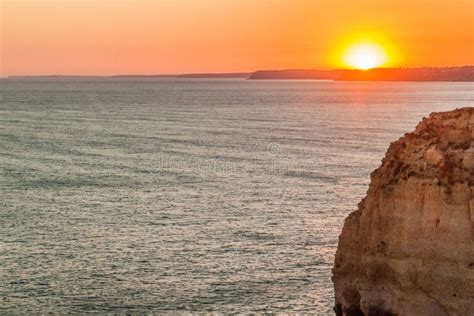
[[409, 248]]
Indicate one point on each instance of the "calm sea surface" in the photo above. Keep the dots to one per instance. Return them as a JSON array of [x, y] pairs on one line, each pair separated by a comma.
[[191, 195]]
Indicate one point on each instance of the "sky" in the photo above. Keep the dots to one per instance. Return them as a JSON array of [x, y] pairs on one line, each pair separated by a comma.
[[107, 37]]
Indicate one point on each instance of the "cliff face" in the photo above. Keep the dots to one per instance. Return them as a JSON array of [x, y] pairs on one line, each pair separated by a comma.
[[409, 248]]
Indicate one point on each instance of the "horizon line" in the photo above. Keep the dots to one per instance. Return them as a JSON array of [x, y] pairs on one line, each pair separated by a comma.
[[234, 73]]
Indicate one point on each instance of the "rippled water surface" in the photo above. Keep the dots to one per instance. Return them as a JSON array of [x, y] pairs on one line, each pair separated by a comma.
[[195, 195]]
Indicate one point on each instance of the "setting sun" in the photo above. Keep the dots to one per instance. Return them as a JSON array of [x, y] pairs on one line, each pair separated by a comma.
[[364, 56]]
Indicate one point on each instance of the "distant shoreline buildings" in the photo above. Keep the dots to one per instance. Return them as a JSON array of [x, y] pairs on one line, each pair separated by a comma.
[[465, 73]]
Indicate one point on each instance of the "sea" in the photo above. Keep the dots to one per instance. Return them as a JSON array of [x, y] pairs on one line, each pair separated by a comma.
[[189, 195]]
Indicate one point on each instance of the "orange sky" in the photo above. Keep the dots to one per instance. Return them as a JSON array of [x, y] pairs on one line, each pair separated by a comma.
[[93, 37]]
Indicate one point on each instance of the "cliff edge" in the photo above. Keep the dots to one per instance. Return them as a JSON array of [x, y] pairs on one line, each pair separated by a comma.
[[409, 248]]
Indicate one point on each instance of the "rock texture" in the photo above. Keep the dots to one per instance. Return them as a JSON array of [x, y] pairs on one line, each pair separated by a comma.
[[409, 248]]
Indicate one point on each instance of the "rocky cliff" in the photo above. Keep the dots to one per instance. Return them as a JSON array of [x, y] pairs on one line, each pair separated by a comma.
[[409, 248]]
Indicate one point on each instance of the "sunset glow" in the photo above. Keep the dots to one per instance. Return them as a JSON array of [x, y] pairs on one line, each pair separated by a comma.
[[365, 56], [107, 37]]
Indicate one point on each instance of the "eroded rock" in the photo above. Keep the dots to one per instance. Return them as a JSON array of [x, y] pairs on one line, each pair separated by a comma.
[[409, 248]]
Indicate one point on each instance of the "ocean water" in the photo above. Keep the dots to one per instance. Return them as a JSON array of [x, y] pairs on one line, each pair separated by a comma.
[[189, 195]]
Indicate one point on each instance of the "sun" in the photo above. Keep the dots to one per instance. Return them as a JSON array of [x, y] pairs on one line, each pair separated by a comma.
[[364, 56]]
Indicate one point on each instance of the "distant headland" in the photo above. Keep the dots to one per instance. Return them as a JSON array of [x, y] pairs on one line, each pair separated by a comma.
[[464, 73], [243, 75]]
